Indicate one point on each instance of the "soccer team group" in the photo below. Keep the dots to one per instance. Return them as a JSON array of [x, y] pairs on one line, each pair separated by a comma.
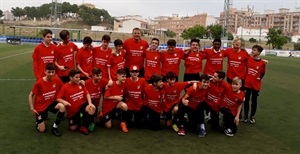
[[139, 84]]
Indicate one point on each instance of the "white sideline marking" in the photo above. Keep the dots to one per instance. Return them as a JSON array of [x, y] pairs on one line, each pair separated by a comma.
[[15, 55], [16, 79]]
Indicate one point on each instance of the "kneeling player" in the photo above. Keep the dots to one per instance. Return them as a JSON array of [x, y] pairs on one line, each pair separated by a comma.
[[78, 103], [42, 99]]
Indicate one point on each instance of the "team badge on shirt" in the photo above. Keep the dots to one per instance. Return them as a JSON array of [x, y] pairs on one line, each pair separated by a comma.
[[122, 91], [71, 50], [52, 52], [141, 47], [80, 87], [257, 67], [220, 54], [54, 85], [106, 56], [138, 87], [175, 91], [239, 58], [236, 99], [197, 55], [155, 57], [175, 54]]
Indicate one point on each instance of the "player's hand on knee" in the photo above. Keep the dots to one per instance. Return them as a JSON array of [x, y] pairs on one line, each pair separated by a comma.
[[34, 112]]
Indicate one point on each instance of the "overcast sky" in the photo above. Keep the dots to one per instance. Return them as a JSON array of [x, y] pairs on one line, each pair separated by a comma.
[[152, 8]]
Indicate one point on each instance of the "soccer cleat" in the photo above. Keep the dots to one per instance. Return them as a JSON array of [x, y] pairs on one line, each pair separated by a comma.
[[181, 131], [228, 132], [252, 120], [91, 127], [55, 132], [202, 132], [175, 128], [123, 127], [246, 120], [84, 130]]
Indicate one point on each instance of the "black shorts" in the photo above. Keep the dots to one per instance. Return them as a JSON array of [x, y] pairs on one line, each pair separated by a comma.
[[108, 116], [43, 115], [192, 76], [75, 120], [169, 114], [64, 79]]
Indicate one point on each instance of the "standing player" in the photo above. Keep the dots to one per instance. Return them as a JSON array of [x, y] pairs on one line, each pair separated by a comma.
[[65, 56], [78, 102], [113, 99], [171, 59], [152, 103], [101, 56], [193, 62], [231, 105], [42, 99], [255, 72], [84, 58], [214, 58], [153, 60], [134, 91], [135, 49], [116, 60], [190, 104], [43, 54]]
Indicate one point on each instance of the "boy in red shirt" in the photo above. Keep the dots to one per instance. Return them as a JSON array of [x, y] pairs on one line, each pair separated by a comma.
[[190, 105], [65, 56], [113, 99], [152, 108], [231, 105], [95, 86], [101, 55], [84, 58], [135, 51], [256, 68], [134, 92], [42, 99], [78, 102], [153, 60], [116, 60], [171, 59], [43, 53]]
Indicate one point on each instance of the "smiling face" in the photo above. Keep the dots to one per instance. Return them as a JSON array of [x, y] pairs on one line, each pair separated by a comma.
[[75, 79], [217, 46], [48, 38], [49, 74], [154, 44], [136, 34], [205, 84], [97, 77], [105, 44], [195, 46]]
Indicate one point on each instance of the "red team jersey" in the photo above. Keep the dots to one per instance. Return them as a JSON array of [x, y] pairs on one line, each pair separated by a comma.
[[74, 94], [42, 55], [214, 94], [100, 59], [153, 64], [193, 62], [45, 93], [134, 91], [254, 70], [65, 57], [236, 63], [114, 63], [196, 96], [172, 94], [171, 61], [153, 98], [95, 89], [115, 90], [85, 60], [231, 100], [135, 52], [214, 61]]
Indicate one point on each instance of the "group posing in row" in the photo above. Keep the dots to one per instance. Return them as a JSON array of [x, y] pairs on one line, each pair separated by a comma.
[[72, 80]]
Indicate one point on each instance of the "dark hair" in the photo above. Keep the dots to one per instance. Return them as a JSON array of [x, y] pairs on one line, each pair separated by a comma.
[[63, 34], [155, 78], [73, 72], [171, 42], [47, 31], [195, 40], [258, 47], [170, 75], [121, 72], [221, 74], [118, 42], [96, 70], [106, 37], [87, 40], [204, 77], [217, 40], [136, 28], [50, 66], [155, 39]]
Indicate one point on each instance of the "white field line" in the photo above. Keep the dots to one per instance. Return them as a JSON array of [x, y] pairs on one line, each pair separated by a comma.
[[17, 79], [16, 55]]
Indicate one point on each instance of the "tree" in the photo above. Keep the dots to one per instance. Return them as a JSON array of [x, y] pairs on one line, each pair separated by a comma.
[[252, 40], [194, 32], [214, 31], [18, 12], [1, 13], [276, 38], [230, 36], [170, 33], [31, 12], [297, 45], [67, 7], [94, 16]]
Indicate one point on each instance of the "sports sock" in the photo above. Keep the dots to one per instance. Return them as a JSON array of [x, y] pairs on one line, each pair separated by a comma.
[[59, 117], [202, 126]]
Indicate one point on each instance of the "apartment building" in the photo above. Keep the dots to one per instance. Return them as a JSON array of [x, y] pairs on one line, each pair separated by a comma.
[[125, 24]]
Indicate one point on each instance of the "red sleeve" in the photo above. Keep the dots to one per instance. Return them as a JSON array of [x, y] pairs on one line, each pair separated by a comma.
[[226, 52], [108, 92], [182, 85], [85, 90], [204, 54], [190, 91], [62, 93], [109, 61], [35, 88], [78, 55]]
